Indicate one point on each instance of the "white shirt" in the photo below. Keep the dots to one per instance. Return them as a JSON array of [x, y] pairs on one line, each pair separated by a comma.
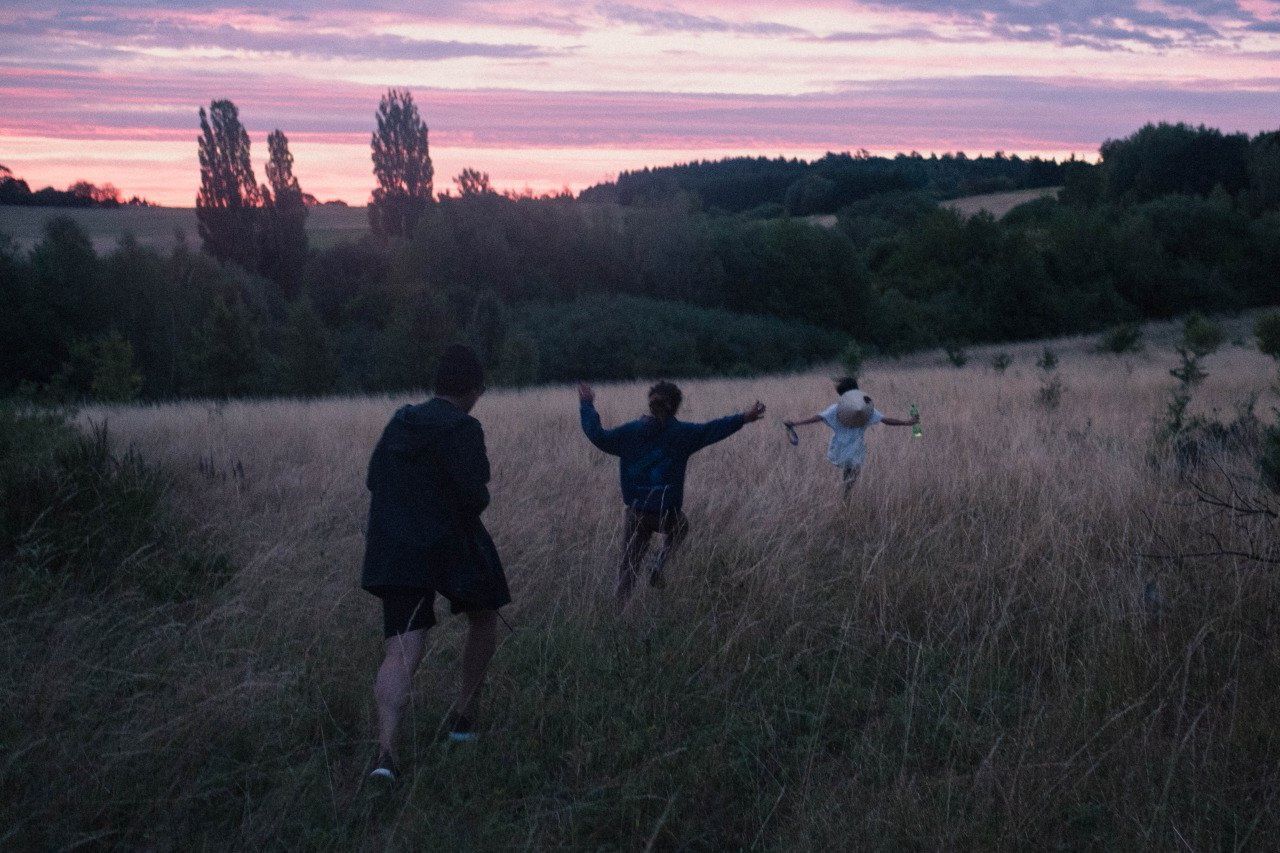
[[848, 444]]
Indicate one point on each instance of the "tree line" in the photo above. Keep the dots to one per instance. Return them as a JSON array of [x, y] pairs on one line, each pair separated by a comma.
[[16, 191], [764, 187], [556, 288]]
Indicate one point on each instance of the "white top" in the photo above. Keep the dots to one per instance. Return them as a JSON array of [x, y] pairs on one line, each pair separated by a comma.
[[848, 444]]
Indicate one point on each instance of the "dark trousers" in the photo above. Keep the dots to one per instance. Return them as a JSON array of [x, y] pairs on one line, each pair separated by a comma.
[[638, 529]]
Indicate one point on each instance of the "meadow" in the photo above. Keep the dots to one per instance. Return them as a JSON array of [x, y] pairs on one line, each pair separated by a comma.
[[986, 649], [160, 227]]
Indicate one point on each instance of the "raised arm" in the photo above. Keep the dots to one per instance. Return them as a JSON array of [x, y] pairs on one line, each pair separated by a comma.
[[468, 467], [721, 428], [608, 440]]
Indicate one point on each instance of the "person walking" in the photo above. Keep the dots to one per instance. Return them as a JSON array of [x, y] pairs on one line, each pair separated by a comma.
[[428, 482]]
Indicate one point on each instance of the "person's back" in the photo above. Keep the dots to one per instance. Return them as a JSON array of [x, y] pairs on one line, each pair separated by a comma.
[[653, 456], [428, 483]]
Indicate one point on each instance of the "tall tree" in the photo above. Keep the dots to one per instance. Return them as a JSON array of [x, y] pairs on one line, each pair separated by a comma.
[[284, 231], [402, 165], [229, 198]]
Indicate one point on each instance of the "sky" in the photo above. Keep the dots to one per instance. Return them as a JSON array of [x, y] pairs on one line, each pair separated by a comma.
[[549, 94]]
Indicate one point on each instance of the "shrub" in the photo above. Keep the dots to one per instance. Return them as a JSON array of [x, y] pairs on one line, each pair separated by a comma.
[[1126, 337], [1048, 360], [629, 337], [1001, 361], [75, 514], [956, 354], [1049, 394], [1267, 331], [851, 359], [1200, 335]]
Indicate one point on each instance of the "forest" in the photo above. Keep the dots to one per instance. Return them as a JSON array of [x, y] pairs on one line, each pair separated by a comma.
[[700, 269]]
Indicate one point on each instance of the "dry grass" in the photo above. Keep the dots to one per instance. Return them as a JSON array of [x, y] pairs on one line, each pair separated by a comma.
[[963, 658], [997, 204]]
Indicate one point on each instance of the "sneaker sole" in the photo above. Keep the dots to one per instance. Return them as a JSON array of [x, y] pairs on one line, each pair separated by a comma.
[[383, 773], [462, 737]]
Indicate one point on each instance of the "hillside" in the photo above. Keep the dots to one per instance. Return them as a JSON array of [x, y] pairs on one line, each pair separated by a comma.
[[158, 226], [975, 654]]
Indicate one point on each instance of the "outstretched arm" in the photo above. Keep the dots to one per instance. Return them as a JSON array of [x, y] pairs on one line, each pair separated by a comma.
[[900, 422], [608, 440], [721, 428], [816, 419]]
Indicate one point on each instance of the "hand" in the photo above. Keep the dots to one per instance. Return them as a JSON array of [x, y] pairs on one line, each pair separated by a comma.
[[755, 413], [586, 393], [789, 424], [913, 421]]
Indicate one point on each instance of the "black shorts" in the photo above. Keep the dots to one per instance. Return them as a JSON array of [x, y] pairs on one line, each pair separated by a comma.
[[406, 609]]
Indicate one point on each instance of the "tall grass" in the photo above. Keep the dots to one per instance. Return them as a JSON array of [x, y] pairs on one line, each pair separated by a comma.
[[975, 653]]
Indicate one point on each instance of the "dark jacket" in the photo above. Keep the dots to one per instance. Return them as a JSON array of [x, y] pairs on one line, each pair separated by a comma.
[[653, 454], [428, 480]]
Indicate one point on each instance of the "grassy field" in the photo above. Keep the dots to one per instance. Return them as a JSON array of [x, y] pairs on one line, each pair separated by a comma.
[[997, 204], [975, 654], [160, 226]]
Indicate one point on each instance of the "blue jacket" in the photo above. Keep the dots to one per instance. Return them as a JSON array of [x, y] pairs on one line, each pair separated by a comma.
[[653, 455]]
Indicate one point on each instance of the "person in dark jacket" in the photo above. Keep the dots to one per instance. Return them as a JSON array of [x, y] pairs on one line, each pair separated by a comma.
[[653, 453], [428, 480]]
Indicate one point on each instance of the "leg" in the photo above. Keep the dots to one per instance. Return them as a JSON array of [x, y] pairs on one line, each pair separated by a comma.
[[394, 680], [676, 528], [637, 531], [482, 639], [850, 478]]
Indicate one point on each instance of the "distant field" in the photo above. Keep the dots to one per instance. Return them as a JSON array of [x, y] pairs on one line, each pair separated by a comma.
[[997, 204], [160, 226]]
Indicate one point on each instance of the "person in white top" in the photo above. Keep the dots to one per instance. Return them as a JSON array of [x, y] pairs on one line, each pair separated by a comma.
[[849, 419]]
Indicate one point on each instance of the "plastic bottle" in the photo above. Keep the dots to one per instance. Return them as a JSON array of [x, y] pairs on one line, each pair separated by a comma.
[[916, 432]]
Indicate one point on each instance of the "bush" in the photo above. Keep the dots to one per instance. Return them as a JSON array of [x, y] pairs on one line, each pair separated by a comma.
[[630, 337], [1267, 331], [1001, 361], [956, 354], [74, 514], [851, 359], [1048, 360], [1201, 336], [1126, 337], [1049, 394]]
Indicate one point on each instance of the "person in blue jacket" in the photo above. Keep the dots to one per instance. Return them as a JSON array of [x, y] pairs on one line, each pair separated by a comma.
[[653, 452]]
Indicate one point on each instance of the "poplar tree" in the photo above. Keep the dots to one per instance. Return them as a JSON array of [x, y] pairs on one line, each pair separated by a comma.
[[229, 198], [284, 233], [402, 166]]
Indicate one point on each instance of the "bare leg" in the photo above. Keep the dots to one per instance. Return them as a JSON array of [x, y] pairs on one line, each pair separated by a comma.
[[633, 551], [392, 685], [482, 640]]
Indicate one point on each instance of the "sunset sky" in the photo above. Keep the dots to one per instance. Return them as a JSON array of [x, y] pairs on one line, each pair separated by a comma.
[[551, 94]]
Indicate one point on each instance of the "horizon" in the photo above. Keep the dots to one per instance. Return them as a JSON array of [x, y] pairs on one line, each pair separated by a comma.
[[552, 95]]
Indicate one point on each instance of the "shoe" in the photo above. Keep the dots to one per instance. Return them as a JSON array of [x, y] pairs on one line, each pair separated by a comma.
[[384, 768], [658, 580], [461, 730]]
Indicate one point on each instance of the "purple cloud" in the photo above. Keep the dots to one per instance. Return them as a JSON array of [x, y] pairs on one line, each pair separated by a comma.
[[672, 20]]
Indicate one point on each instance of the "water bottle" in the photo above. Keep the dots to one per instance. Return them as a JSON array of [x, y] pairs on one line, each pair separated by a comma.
[[916, 432]]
